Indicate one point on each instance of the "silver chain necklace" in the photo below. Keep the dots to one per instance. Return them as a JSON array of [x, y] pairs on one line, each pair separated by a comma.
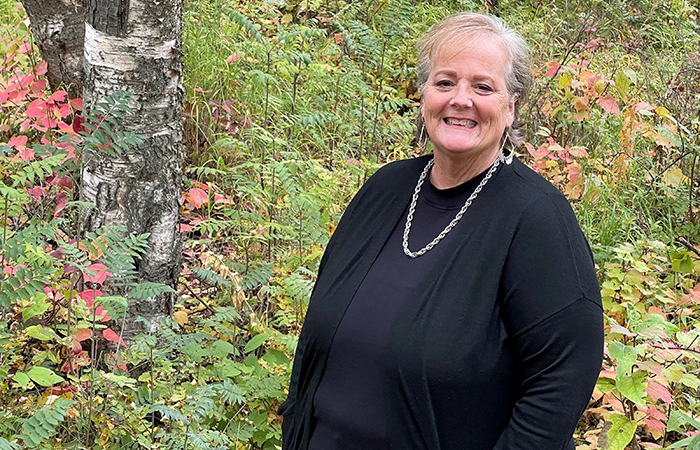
[[450, 225]]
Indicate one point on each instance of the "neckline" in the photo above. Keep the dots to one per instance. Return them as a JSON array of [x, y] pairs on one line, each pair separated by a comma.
[[454, 197]]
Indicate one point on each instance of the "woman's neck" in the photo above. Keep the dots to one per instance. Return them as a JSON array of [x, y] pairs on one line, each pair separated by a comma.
[[449, 171]]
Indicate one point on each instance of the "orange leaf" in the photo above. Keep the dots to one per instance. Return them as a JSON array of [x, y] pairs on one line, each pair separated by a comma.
[[112, 336], [83, 333]]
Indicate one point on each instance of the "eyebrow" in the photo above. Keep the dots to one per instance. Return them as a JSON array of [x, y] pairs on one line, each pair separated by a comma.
[[451, 72]]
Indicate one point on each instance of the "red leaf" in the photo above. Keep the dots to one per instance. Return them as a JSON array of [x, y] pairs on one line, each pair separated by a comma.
[[89, 296], [83, 333], [76, 103], [656, 391], [233, 57], [41, 68], [57, 96], [38, 85], [61, 201], [553, 68], [643, 106], [36, 193], [102, 314], [17, 141], [26, 80], [27, 154], [654, 424], [610, 105], [196, 197], [653, 412], [112, 336], [35, 111], [183, 228], [100, 271]]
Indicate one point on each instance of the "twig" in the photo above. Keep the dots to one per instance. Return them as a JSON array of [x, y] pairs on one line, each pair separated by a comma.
[[685, 243], [197, 297], [660, 347]]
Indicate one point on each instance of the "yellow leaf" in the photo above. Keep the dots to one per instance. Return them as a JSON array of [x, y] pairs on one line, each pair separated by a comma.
[[181, 317]]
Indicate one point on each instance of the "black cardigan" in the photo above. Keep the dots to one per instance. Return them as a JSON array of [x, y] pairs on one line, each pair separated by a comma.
[[491, 325]]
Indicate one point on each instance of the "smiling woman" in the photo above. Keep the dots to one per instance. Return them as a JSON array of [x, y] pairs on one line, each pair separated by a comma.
[[457, 304], [466, 109]]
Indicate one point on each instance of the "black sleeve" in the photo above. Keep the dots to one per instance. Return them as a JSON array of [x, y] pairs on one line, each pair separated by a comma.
[[552, 311], [560, 360]]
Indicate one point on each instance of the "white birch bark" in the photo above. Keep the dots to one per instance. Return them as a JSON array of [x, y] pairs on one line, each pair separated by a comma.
[[58, 27], [136, 46]]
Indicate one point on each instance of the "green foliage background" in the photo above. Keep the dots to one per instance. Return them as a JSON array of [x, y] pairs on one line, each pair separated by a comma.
[[290, 106]]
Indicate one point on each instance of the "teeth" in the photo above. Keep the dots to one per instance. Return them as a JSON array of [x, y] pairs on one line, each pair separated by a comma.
[[465, 123]]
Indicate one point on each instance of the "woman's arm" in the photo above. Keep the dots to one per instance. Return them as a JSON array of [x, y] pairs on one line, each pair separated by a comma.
[[552, 312], [560, 360]]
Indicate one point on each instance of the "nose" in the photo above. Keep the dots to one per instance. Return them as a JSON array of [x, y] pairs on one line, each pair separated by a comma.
[[462, 96]]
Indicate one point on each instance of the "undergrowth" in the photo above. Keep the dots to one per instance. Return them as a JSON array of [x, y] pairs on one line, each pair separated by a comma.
[[289, 108]]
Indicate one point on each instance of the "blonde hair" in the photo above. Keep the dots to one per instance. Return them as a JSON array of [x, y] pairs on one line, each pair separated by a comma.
[[455, 29]]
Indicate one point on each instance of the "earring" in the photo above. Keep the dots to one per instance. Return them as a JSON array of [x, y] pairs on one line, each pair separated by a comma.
[[423, 138], [507, 159]]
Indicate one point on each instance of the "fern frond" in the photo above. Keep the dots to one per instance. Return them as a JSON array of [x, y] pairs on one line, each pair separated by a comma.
[[42, 425], [148, 289], [245, 24], [170, 413]]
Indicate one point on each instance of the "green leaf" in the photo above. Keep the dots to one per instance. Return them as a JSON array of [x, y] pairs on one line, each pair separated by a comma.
[[7, 445], [221, 349], [170, 413], [625, 355], [41, 333], [40, 306], [256, 342], [633, 387], [44, 376], [690, 443], [681, 262], [620, 433], [22, 379], [622, 82], [673, 373], [690, 380]]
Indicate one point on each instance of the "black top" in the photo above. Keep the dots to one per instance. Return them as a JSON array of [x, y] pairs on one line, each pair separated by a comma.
[[350, 403], [498, 346]]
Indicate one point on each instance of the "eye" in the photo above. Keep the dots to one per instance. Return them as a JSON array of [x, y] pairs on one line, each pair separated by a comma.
[[444, 84], [484, 88]]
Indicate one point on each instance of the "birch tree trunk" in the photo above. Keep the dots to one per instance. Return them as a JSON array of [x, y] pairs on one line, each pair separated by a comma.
[[136, 46], [58, 27]]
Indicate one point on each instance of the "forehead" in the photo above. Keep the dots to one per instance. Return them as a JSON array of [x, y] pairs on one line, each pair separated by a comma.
[[484, 51]]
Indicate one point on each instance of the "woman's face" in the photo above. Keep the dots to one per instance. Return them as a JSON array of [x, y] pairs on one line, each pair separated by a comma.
[[465, 105]]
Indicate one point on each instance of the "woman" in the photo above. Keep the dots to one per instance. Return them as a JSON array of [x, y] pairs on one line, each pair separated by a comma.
[[457, 305]]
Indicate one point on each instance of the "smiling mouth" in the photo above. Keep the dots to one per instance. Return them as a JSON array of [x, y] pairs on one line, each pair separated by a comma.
[[461, 122]]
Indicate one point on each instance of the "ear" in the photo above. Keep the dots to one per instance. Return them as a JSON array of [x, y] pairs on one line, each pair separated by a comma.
[[510, 115]]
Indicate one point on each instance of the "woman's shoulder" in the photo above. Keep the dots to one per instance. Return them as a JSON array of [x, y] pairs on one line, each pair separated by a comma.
[[530, 191]]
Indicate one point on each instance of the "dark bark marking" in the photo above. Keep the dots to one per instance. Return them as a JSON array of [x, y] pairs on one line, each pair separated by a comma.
[[107, 16]]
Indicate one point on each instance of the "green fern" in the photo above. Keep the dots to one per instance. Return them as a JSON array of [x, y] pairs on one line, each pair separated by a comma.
[[211, 277], [42, 425], [7, 445], [230, 393], [245, 24], [170, 413], [149, 289], [257, 277]]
